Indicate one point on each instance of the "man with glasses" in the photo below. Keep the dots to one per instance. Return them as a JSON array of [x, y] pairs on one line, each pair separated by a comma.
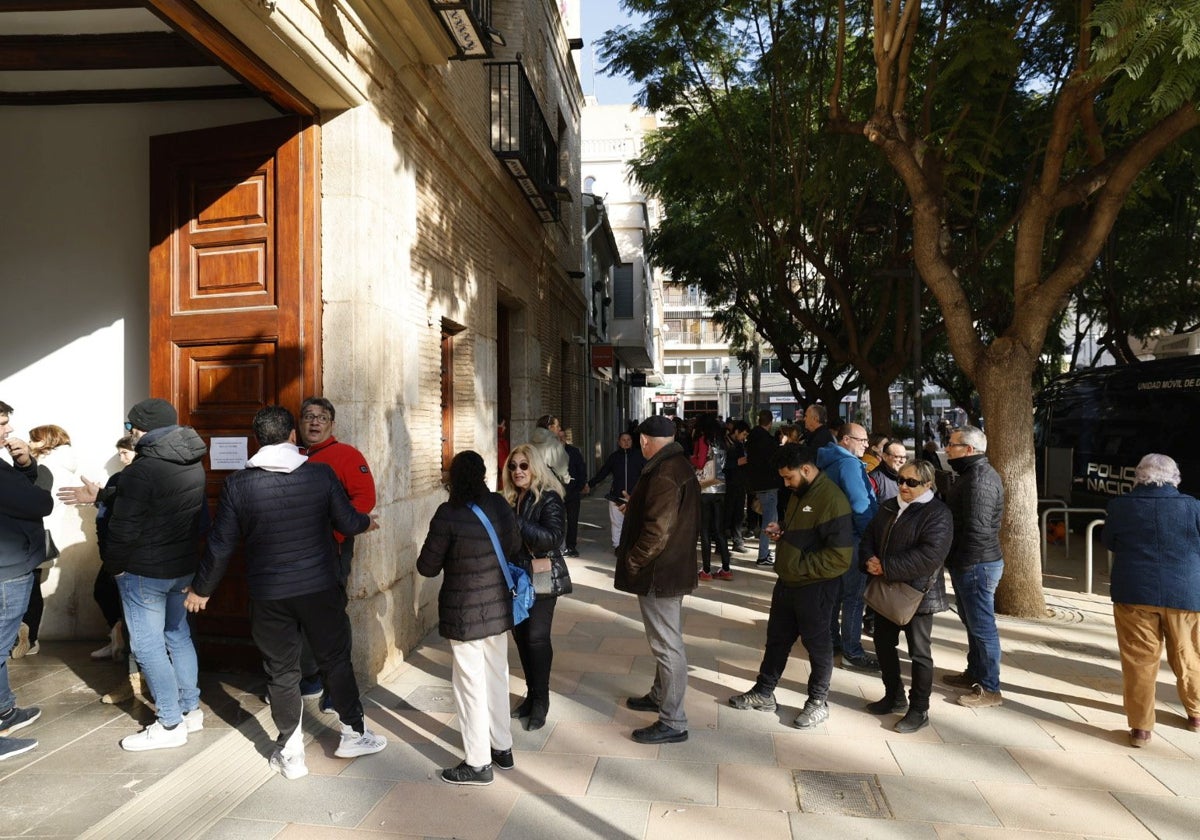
[[842, 462], [317, 416], [886, 476], [976, 499]]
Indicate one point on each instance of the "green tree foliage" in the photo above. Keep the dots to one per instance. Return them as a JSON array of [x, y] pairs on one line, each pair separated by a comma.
[[757, 207]]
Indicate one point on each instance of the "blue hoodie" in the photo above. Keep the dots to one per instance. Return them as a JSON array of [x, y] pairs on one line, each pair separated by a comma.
[[850, 474]]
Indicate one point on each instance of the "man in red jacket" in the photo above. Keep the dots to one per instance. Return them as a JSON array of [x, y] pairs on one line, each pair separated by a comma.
[[317, 416]]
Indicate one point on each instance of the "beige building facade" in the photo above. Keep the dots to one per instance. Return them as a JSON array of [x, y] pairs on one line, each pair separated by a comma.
[[386, 257]]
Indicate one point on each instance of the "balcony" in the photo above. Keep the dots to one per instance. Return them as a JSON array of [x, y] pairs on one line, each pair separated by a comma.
[[693, 338], [522, 139]]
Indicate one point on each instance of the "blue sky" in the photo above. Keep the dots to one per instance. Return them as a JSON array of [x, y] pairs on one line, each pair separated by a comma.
[[596, 18]]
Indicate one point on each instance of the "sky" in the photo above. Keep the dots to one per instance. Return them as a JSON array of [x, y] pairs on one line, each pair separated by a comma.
[[596, 18]]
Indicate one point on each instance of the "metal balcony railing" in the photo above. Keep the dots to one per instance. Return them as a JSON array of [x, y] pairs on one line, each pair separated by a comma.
[[522, 139]]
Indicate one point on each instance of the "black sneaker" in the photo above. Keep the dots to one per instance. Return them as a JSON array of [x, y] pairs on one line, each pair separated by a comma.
[[866, 663], [765, 561], [18, 719], [753, 700], [814, 712], [465, 774], [503, 759], [641, 704], [889, 706]]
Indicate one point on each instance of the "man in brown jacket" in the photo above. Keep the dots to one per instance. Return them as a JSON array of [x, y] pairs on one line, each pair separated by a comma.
[[656, 561]]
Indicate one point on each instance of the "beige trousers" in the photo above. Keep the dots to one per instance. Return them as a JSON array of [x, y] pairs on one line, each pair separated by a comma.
[[1141, 631]]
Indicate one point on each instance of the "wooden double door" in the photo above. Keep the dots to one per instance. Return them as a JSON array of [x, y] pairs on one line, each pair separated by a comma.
[[234, 299]]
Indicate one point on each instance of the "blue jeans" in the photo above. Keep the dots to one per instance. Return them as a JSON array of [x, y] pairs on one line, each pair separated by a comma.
[[848, 636], [161, 640], [769, 499], [975, 592], [14, 600]]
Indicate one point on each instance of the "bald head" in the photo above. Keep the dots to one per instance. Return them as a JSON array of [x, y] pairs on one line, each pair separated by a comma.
[[853, 438]]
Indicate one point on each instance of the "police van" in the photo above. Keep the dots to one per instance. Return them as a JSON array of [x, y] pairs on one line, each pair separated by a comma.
[[1091, 428]]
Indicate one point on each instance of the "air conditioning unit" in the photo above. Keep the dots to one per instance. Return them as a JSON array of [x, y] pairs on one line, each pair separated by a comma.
[[1184, 344]]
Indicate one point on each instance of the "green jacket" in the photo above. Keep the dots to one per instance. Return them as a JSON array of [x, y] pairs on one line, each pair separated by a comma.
[[818, 535]]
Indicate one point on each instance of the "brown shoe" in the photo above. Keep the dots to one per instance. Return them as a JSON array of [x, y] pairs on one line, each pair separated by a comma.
[[980, 698], [963, 680], [1139, 737]]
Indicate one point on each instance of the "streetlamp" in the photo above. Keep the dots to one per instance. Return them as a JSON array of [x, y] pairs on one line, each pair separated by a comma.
[[723, 376]]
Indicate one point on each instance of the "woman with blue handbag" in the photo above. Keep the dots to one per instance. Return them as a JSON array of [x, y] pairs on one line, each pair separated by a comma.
[[537, 497], [475, 612]]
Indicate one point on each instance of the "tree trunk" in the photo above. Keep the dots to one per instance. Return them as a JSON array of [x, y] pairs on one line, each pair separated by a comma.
[[881, 407], [1005, 385]]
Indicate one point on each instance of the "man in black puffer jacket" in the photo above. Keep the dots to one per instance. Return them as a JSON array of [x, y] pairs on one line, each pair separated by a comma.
[[284, 508], [153, 545], [976, 498]]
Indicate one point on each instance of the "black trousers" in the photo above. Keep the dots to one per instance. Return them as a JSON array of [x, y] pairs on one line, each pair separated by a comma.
[[108, 597], [533, 646], [571, 503], [733, 515], [919, 634], [710, 530], [37, 605], [345, 553], [800, 612], [279, 628]]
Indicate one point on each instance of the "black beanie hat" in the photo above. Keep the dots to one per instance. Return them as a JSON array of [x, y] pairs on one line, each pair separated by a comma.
[[152, 414]]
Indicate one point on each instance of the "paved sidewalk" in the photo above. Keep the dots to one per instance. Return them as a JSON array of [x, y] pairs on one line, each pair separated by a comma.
[[1052, 762]]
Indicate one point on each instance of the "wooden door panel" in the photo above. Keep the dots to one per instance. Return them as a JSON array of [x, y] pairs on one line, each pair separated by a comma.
[[234, 303]]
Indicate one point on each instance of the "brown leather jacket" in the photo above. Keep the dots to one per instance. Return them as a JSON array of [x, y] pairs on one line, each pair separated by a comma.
[[662, 520]]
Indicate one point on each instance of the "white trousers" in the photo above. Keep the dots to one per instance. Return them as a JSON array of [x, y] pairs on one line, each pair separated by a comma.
[[616, 521], [480, 680]]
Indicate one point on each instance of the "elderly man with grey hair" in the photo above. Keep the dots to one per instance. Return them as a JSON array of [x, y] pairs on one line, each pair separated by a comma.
[[1153, 532], [976, 500]]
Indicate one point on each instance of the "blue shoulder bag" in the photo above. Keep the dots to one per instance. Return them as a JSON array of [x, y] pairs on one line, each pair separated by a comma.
[[518, 582]]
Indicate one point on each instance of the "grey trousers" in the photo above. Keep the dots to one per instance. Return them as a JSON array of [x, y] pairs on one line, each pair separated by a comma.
[[664, 631]]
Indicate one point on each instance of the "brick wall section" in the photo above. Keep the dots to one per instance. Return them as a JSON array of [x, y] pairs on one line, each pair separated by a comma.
[[421, 224]]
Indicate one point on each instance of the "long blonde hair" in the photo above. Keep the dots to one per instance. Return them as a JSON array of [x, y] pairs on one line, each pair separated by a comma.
[[541, 478]]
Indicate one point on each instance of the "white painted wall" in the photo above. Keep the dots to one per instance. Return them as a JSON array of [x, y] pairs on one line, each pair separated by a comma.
[[74, 240]]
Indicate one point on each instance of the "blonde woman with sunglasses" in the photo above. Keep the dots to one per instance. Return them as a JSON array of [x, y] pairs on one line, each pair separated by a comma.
[[536, 496]]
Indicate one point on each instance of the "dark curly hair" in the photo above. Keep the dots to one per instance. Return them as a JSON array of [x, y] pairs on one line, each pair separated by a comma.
[[468, 478]]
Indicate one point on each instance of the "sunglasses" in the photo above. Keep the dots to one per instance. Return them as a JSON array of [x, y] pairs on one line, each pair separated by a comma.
[[128, 426], [910, 482], [522, 467]]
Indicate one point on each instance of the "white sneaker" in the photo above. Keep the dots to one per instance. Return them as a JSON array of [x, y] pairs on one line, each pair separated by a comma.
[[288, 766], [353, 744], [194, 720], [155, 737], [105, 652]]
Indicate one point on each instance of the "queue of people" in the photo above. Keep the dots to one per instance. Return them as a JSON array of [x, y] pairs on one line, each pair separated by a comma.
[[844, 533]]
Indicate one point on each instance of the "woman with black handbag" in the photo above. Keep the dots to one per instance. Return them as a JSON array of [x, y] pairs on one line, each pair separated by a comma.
[[903, 550], [537, 498]]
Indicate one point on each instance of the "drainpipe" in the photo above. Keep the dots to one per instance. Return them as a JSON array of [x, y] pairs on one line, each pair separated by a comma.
[[590, 292]]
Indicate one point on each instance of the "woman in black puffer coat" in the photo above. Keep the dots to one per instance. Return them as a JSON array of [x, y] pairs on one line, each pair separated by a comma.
[[474, 613], [537, 497], [908, 540]]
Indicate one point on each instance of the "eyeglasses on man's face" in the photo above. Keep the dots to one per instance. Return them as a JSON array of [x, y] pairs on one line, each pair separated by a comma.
[[860, 440], [521, 467], [957, 445], [316, 418]]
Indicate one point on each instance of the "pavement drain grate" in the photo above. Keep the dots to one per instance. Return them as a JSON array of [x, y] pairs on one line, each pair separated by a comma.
[[843, 794], [429, 698]]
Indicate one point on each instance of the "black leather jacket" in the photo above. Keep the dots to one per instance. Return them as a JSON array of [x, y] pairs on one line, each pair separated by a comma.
[[543, 527]]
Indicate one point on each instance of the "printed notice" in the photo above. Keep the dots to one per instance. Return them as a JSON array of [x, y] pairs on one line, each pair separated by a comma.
[[227, 453]]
